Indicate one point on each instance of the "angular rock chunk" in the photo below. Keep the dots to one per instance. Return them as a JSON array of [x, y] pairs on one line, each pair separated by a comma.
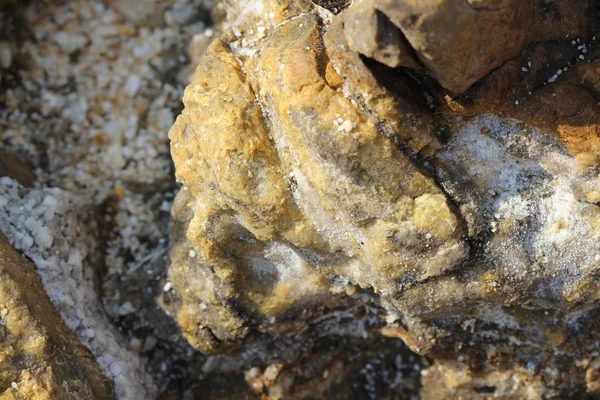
[[369, 32], [13, 166], [461, 41]]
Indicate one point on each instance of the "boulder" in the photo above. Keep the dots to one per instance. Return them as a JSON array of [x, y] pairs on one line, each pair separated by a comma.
[[313, 165]]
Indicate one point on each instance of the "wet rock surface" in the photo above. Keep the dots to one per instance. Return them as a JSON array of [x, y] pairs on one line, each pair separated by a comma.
[[315, 161]]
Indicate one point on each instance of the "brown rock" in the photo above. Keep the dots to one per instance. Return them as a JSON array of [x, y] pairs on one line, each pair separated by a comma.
[[310, 170], [257, 203], [461, 41], [40, 358], [368, 31], [556, 92], [14, 167]]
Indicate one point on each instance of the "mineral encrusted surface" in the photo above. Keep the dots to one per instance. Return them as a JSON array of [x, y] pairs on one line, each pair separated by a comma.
[[434, 162], [57, 232], [40, 358]]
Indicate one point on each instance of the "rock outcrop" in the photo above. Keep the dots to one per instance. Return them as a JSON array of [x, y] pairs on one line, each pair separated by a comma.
[[441, 154]]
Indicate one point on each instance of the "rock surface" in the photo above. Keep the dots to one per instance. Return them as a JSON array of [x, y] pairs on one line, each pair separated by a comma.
[[15, 167], [309, 170], [40, 358], [57, 231], [460, 41]]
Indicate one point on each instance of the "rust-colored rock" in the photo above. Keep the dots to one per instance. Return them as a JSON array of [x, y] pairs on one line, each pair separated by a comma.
[[310, 168], [460, 41]]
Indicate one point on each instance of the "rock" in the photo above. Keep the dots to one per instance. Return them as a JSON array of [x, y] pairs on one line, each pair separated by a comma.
[[141, 12], [16, 168], [40, 358], [469, 222], [455, 381], [368, 31], [555, 92], [459, 41], [267, 207]]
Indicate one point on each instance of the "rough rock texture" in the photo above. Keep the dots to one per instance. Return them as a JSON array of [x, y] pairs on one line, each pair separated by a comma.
[[40, 358], [460, 41], [310, 170], [57, 231], [15, 167]]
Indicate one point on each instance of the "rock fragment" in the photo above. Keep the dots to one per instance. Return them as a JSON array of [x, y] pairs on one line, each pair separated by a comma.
[[458, 41], [16, 168], [369, 32], [40, 357]]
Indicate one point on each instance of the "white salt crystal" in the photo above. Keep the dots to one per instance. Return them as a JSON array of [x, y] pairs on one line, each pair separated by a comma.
[[27, 241], [30, 223], [44, 238], [132, 85], [347, 125], [115, 368]]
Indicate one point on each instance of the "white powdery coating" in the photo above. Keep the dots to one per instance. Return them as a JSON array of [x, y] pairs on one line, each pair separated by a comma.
[[528, 186], [63, 251]]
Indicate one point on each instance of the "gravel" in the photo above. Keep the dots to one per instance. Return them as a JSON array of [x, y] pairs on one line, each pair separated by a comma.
[[56, 231], [88, 92]]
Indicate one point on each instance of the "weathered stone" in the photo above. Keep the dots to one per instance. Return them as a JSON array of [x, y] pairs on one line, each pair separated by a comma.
[[369, 32], [450, 380], [461, 41], [16, 168], [309, 169], [40, 358], [257, 203], [557, 92]]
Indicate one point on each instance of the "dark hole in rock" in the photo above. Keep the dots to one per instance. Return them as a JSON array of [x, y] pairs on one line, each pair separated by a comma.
[[486, 389], [335, 6]]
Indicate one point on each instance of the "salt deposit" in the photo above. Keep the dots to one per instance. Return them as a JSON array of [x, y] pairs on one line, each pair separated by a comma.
[[65, 250]]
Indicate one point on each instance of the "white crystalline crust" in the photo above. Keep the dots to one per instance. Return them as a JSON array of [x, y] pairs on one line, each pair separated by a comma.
[[55, 231], [528, 186]]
